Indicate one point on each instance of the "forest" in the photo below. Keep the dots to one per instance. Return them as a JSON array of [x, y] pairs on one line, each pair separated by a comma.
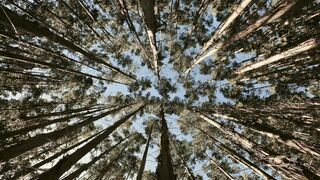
[[159, 89]]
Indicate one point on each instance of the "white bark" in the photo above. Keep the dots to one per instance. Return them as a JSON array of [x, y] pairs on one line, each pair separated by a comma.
[[153, 45], [220, 168], [221, 31], [303, 47], [269, 18]]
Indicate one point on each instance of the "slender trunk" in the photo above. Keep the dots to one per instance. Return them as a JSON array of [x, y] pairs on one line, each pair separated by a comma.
[[270, 17], [267, 130], [24, 59], [107, 167], [66, 163], [219, 167], [42, 125], [221, 31], [260, 154], [46, 50], [203, 6], [12, 71], [233, 154], [155, 52], [84, 21], [60, 113], [185, 164], [301, 48], [39, 140], [152, 26], [164, 169], [86, 166], [51, 158], [145, 154], [36, 29], [125, 12]]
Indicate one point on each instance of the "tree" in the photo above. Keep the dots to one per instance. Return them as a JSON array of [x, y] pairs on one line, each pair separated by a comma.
[[170, 89]]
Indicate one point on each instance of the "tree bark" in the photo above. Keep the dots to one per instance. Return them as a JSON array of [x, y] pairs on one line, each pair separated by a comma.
[[145, 154], [39, 140], [39, 164], [270, 17], [66, 163], [227, 175], [42, 125], [164, 169], [86, 166], [221, 31], [35, 28], [152, 26], [301, 48]]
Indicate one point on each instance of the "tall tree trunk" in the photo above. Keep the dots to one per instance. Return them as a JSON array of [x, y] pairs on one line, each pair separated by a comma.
[[43, 125], [46, 50], [24, 59], [65, 112], [301, 48], [152, 26], [145, 154], [236, 156], [265, 129], [222, 30], [107, 167], [86, 166], [164, 169], [51, 158], [270, 17], [185, 164], [39, 140], [125, 12], [35, 28], [66, 163], [272, 159], [226, 174]]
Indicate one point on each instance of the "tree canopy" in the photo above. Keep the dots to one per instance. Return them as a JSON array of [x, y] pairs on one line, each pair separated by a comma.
[[159, 89]]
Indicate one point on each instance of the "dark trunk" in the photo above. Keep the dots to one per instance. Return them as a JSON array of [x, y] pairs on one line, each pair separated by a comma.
[[37, 29], [39, 140], [84, 167], [42, 125], [164, 169], [39, 164], [144, 157], [66, 163]]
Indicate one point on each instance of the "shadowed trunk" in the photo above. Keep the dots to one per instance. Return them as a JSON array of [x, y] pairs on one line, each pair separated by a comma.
[[301, 48], [152, 26], [222, 30], [42, 125], [42, 139], [236, 156], [66, 163], [145, 154], [37, 29], [282, 8], [164, 168], [219, 167], [51, 158], [86, 166]]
